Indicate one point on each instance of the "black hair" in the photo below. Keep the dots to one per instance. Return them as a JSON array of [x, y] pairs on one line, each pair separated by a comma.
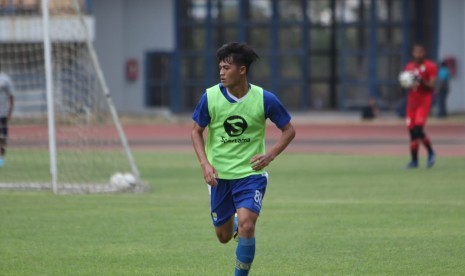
[[237, 53], [419, 44]]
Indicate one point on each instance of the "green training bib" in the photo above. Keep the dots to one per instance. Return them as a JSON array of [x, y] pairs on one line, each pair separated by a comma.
[[236, 132]]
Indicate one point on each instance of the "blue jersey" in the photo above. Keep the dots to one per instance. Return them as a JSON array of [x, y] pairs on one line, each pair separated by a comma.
[[274, 109]]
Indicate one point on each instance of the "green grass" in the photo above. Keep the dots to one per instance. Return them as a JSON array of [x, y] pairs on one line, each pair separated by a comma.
[[322, 215], [32, 165]]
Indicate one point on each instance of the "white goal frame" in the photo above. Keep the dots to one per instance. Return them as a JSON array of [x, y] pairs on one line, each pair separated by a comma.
[[63, 188]]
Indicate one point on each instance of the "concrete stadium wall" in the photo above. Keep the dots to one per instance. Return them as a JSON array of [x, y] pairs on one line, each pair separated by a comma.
[[128, 29], [452, 43]]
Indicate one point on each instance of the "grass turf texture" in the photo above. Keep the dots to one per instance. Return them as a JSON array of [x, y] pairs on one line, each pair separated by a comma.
[[322, 215], [96, 167]]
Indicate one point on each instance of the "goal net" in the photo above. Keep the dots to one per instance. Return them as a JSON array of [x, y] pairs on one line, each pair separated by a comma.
[[82, 148]]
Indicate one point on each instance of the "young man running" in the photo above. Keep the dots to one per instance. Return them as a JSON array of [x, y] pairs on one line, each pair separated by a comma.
[[233, 157]]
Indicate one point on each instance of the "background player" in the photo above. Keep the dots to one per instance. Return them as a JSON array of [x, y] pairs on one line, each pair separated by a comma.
[[419, 102], [234, 158], [442, 89], [6, 109]]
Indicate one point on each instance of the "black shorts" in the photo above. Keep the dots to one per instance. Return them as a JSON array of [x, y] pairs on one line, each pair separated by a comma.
[[3, 127]]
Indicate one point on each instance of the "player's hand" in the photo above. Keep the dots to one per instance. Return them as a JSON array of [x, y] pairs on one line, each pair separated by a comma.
[[418, 80], [260, 161], [210, 174]]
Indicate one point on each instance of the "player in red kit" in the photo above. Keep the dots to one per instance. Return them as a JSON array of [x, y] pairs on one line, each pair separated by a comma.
[[419, 101]]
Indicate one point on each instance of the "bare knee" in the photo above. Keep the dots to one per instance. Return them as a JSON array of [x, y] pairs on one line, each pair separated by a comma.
[[247, 220], [223, 238], [223, 235], [247, 229], [224, 232]]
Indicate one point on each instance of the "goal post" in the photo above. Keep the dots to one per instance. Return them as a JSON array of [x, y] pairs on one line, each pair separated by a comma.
[[106, 93], [64, 116], [49, 94]]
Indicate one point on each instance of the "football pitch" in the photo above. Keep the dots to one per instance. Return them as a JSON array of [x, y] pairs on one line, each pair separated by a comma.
[[322, 215]]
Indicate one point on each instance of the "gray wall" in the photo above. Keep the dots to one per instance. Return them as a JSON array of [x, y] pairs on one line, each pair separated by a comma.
[[452, 43], [128, 29]]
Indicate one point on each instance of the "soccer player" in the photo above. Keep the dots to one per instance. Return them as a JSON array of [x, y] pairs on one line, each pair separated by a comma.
[[419, 103], [6, 109], [233, 157]]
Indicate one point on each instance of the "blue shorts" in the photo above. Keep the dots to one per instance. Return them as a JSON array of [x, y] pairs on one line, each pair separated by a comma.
[[230, 195], [3, 127]]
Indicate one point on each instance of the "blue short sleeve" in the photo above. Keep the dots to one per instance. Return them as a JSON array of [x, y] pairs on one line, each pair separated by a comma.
[[201, 115], [275, 110], [443, 74]]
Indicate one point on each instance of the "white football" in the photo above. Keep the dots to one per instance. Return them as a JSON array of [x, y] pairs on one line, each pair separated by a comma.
[[130, 179], [118, 179], [406, 79]]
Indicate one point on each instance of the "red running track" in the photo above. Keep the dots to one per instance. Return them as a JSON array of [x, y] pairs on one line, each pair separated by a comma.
[[371, 138]]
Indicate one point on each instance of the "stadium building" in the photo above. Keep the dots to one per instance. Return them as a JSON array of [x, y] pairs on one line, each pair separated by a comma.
[[158, 56]]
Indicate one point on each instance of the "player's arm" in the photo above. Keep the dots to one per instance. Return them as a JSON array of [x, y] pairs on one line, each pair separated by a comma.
[[430, 80], [209, 172], [260, 161], [430, 83], [277, 113]]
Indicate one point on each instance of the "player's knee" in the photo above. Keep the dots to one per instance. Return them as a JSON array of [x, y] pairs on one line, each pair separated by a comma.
[[247, 229], [412, 135], [222, 238], [223, 235], [417, 132]]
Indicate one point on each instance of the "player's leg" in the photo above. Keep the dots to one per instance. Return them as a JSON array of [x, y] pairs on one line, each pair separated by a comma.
[[246, 222], [3, 139], [2, 146], [245, 251], [422, 117], [2, 150], [426, 141], [222, 210], [442, 108], [431, 153], [248, 194], [421, 135], [414, 145], [224, 232], [414, 142]]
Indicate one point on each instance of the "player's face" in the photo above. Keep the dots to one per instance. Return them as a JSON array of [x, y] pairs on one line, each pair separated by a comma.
[[418, 53], [230, 73]]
